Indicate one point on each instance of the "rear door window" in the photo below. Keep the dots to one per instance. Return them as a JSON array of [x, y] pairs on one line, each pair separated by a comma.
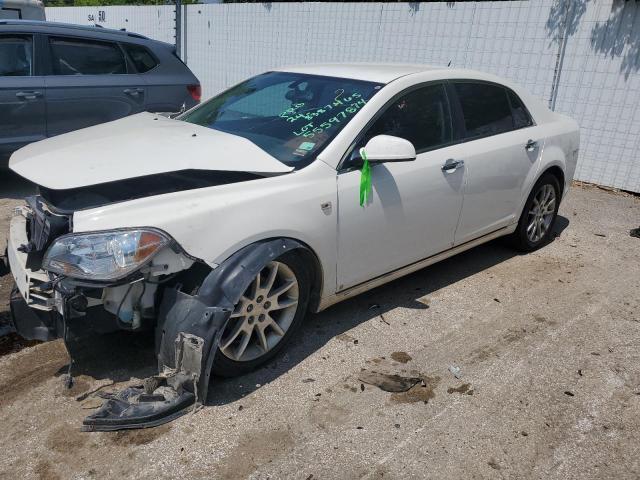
[[141, 58], [86, 57], [521, 117], [16, 55], [485, 108]]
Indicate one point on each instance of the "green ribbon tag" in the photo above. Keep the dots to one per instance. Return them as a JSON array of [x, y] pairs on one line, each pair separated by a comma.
[[365, 179]]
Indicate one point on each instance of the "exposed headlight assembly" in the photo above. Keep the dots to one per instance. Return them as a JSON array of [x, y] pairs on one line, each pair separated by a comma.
[[109, 255]]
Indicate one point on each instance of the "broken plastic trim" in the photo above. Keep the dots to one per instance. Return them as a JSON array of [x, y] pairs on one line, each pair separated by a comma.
[[187, 338], [158, 400]]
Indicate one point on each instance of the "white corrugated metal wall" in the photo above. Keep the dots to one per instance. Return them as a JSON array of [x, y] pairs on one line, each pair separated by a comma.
[[595, 77], [152, 21]]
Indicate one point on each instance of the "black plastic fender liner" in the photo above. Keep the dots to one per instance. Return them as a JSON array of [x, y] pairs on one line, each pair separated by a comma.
[[225, 284], [185, 314], [187, 337], [205, 314]]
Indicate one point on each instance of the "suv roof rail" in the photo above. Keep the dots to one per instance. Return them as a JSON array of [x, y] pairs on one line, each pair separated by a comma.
[[70, 26]]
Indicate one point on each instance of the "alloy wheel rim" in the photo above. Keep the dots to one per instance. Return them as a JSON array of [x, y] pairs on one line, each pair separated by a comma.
[[263, 315], [541, 213]]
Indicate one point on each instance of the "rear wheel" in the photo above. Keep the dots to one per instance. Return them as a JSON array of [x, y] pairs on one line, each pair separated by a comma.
[[539, 214], [268, 313]]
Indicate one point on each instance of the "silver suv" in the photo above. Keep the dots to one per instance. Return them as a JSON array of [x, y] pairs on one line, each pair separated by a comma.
[[55, 78]]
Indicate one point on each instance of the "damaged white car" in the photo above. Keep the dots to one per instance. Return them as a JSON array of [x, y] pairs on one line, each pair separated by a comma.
[[218, 230]]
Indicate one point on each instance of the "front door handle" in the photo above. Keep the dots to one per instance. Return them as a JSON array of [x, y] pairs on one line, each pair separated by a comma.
[[531, 145], [28, 95], [134, 92], [452, 165]]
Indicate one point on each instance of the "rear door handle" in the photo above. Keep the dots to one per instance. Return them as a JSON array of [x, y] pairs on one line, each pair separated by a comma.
[[452, 165], [28, 95], [531, 145]]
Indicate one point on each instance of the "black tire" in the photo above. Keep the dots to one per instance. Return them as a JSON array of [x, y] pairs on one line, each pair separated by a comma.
[[520, 239], [227, 367], [4, 264]]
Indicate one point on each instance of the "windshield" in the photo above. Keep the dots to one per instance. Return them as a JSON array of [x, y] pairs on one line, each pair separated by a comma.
[[289, 115]]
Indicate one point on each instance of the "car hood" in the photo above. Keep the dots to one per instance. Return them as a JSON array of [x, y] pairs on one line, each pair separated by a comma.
[[139, 145]]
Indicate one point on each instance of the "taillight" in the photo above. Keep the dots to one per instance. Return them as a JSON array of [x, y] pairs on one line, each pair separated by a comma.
[[195, 91]]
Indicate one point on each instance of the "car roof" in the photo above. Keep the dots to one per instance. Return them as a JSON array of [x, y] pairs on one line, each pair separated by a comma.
[[60, 28], [373, 72], [387, 72], [22, 3]]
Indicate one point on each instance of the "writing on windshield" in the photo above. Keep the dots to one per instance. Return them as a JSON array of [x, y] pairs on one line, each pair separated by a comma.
[[289, 115]]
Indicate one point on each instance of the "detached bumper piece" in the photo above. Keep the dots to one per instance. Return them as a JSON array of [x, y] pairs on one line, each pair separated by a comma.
[[134, 408], [183, 382], [159, 399]]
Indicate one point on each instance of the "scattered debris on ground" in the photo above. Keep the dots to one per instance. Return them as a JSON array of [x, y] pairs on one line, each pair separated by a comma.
[[401, 357], [455, 371], [422, 392], [388, 382], [465, 389]]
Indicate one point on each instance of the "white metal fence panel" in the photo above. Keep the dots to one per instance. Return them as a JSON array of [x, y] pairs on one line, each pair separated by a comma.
[[156, 21], [594, 78], [600, 87], [506, 38]]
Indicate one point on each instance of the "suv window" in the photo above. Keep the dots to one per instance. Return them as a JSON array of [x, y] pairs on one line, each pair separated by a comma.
[[521, 117], [16, 56], [10, 13], [485, 108], [86, 57], [422, 116], [141, 58]]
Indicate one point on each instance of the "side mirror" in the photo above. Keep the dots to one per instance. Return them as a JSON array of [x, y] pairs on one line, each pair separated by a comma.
[[386, 148]]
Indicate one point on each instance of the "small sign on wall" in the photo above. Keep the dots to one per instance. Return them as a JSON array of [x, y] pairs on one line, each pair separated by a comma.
[[100, 18]]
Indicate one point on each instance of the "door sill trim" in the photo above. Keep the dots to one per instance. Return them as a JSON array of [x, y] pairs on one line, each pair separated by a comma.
[[413, 267]]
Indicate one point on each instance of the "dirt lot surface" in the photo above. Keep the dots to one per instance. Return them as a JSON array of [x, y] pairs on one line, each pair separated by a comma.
[[547, 345]]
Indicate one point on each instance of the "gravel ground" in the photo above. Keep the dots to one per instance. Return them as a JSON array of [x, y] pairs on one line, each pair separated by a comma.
[[547, 345]]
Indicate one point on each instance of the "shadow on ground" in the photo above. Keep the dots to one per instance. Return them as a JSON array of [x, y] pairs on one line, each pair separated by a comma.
[[320, 328], [13, 186]]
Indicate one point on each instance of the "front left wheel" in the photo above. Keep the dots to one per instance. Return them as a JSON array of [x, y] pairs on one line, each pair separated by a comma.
[[269, 312]]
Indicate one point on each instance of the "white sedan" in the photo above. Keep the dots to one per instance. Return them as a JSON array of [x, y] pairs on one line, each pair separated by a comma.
[[287, 193]]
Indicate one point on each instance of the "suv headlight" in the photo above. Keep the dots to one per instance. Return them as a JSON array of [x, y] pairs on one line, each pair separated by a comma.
[[109, 255]]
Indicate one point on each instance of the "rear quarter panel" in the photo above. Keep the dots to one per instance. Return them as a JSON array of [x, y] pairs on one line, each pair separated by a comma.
[[562, 143], [167, 83], [560, 136]]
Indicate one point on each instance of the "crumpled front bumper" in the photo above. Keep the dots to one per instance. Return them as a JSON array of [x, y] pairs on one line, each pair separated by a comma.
[[188, 330], [33, 324], [32, 300]]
